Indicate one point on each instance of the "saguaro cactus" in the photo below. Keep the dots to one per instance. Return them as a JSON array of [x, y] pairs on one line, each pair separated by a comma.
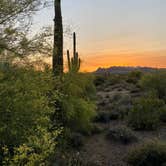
[[74, 62], [58, 39]]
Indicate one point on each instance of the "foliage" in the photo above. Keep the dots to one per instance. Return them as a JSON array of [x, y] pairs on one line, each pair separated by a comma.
[[25, 109], [121, 134], [155, 82], [99, 80], [77, 102], [134, 77], [108, 79], [121, 105], [146, 113], [149, 154], [15, 23]]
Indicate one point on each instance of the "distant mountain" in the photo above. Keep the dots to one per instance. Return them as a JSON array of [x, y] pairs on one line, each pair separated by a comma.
[[124, 70]]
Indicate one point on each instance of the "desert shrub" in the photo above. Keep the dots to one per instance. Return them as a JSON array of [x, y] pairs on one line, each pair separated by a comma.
[[121, 105], [145, 114], [114, 79], [77, 106], [70, 159], [25, 109], [121, 99], [134, 77], [155, 82], [121, 134], [149, 154], [99, 80]]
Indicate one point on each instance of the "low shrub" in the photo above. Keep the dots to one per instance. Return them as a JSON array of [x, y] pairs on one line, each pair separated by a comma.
[[114, 79], [27, 136], [121, 134], [77, 104], [149, 154], [155, 82], [145, 114], [99, 80], [121, 105], [134, 77]]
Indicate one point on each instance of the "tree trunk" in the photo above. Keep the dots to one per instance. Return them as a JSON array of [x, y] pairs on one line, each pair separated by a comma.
[[58, 40]]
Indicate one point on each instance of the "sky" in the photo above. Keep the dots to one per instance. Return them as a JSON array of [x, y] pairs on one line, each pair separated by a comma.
[[114, 32]]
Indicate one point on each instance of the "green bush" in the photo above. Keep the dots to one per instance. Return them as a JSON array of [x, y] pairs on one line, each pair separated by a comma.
[[25, 109], [120, 105], [121, 134], [114, 79], [134, 77], [155, 82], [77, 106], [99, 80], [35, 107], [149, 154], [145, 114]]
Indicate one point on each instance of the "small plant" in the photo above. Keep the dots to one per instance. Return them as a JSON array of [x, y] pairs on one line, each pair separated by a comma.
[[145, 114], [99, 80], [149, 154], [134, 77], [122, 134], [121, 105], [155, 82]]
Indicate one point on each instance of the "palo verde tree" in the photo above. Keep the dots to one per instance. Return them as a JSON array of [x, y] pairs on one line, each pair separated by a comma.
[[58, 39], [15, 23]]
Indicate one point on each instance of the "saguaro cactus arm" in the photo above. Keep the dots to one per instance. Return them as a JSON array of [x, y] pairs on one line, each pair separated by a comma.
[[74, 62]]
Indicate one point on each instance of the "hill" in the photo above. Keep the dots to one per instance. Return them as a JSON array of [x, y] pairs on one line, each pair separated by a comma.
[[124, 70]]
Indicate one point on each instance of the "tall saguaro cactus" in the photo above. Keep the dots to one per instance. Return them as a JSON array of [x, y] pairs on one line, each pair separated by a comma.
[[74, 62], [58, 39]]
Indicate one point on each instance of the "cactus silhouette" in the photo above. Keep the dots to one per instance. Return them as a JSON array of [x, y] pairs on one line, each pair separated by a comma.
[[58, 40], [74, 63]]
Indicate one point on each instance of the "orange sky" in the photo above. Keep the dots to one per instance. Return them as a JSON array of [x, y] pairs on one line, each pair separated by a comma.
[[148, 58]]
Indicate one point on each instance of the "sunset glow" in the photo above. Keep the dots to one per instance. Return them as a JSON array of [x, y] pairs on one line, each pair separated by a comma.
[[114, 32], [155, 59]]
